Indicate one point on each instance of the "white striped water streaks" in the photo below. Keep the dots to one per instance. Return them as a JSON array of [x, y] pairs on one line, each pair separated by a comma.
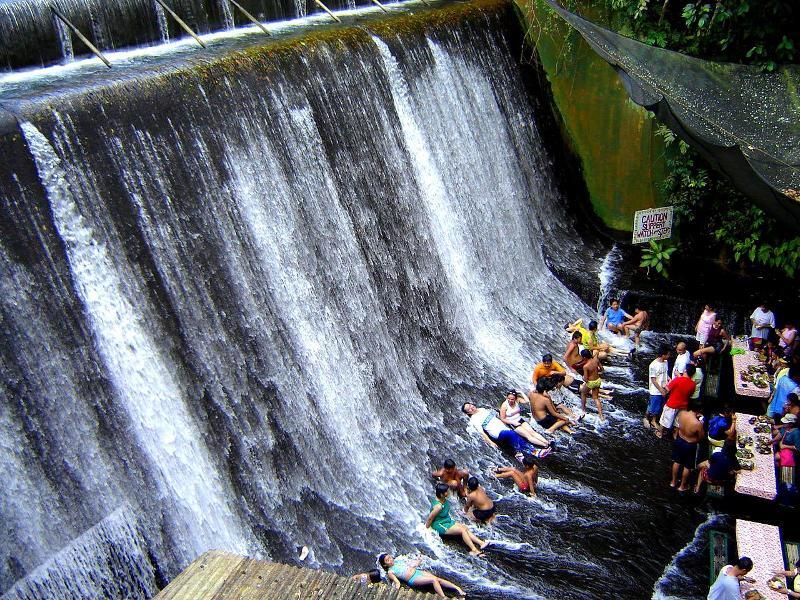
[[184, 472], [321, 265]]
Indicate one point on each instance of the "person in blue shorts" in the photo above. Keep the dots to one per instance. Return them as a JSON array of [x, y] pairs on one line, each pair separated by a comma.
[[658, 377]]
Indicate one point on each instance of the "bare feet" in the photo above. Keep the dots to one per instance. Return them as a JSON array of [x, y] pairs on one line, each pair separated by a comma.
[[659, 433], [646, 422]]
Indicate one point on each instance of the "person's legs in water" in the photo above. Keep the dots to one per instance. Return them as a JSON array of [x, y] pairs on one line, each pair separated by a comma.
[[438, 584], [469, 539], [506, 472], [676, 470], [527, 432], [598, 402]]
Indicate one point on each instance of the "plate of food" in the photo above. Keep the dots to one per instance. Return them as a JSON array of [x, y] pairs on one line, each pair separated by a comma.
[[744, 441], [744, 454], [747, 465], [762, 428], [763, 419], [776, 583], [753, 420], [753, 595]]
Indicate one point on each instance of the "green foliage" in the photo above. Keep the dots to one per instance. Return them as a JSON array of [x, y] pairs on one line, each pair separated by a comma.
[[710, 213], [760, 33], [657, 256]]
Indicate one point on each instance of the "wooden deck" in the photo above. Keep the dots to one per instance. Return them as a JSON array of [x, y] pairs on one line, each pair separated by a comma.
[[218, 575]]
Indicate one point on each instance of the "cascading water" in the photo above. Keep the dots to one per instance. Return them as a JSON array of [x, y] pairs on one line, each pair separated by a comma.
[[242, 305], [64, 40], [28, 37]]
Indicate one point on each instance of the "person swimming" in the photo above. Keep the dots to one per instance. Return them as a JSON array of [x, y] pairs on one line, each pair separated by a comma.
[[479, 505], [405, 571], [441, 522], [526, 480]]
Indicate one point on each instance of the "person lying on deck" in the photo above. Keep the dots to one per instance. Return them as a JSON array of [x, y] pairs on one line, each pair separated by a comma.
[[405, 571], [495, 432]]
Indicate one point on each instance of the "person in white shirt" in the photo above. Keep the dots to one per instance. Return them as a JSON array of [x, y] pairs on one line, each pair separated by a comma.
[[763, 320], [681, 360], [495, 432], [726, 587], [658, 377]]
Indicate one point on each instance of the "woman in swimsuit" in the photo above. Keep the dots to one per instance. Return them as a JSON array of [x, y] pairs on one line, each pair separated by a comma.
[[511, 415], [526, 480], [442, 523], [405, 571]]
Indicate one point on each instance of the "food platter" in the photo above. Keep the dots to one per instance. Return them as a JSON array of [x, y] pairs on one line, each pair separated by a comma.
[[747, 465], [746, 454], [776, 583]]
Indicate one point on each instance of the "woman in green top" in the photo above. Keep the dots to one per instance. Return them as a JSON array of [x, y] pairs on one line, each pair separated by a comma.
[[440, 521]]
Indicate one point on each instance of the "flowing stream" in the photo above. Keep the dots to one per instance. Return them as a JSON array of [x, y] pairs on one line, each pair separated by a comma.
[[243, 302]]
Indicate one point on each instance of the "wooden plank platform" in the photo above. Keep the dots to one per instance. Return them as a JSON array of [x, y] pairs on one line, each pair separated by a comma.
[[218, 575]]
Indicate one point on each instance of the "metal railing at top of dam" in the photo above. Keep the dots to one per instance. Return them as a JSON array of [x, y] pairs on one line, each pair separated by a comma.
[[40, 32]]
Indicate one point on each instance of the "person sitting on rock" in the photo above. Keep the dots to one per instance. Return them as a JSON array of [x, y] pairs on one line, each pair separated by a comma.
[[479, 506], [452, 476]]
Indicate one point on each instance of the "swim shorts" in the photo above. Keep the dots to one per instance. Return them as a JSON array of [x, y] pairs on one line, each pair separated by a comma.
[[668, 417], [594, 384], [656, 402], [483, 515], [684, 453], [441, 527], [578, 366], [547, 422]]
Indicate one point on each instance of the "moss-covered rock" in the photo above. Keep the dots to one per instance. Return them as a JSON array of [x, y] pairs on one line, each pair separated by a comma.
[[622, 158]]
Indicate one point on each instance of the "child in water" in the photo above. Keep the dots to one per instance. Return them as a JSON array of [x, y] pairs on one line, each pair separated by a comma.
[[442, 523], [526, 480]]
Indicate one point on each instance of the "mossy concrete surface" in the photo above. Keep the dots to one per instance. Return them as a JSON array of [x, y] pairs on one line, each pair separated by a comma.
[[621, 156]]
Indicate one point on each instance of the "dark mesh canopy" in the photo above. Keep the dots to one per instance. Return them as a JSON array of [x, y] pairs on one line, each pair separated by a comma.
[[745, 122]]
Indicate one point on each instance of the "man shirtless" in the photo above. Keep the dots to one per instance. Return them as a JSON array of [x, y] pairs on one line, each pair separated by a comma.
[[545, 412], [573, 354], [686, 447], [592, 382], [479, 506], [526, 480], [452, 476], [636, 324]]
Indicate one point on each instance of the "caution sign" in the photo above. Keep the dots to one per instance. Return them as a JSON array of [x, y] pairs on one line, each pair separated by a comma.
[[652, 224]]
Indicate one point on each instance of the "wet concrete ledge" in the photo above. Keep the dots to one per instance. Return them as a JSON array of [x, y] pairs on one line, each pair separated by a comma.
[[216, 575]]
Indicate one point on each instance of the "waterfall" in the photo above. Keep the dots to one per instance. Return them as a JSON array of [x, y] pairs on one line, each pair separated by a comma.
[[227, 14], [28, 37], [163, 25], [64, 39], [245, 301]]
